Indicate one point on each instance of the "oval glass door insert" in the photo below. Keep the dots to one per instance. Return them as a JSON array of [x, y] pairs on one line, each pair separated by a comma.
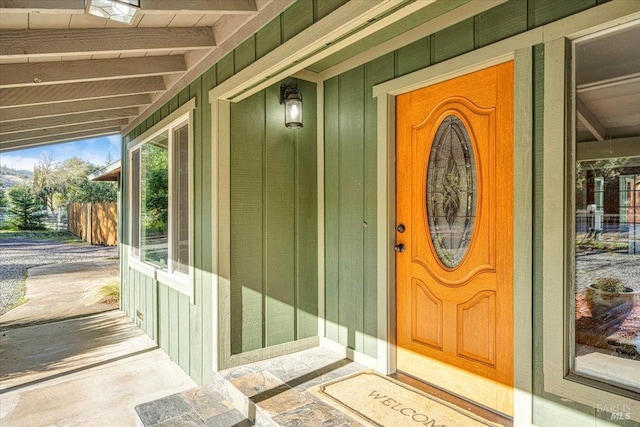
[[451, 191]]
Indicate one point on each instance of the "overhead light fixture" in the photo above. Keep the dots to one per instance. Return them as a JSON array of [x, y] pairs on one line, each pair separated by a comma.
[[292, 100], [118, 10]]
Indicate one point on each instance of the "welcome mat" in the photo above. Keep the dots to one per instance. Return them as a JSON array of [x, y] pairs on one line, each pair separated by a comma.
[[380, 401]]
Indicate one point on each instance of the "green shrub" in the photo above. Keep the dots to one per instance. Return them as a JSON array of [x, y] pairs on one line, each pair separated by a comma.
[[609, 284]]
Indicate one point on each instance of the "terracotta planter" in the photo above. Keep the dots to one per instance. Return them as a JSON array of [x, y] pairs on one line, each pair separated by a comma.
[[610, 305]]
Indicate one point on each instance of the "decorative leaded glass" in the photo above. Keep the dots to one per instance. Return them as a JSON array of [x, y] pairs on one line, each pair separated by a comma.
[[451, 191]]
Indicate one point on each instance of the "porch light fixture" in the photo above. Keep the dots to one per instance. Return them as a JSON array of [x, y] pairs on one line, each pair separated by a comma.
[[292, 100], [118, 10]]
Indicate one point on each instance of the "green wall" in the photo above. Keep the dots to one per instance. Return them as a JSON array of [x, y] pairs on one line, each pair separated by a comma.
[[350, 186], [169, 317], [274, 222], [183, 329]]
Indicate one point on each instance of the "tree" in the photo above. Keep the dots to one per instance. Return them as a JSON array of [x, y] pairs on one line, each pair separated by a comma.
[[46, 181], [3, 198], [25, 211]]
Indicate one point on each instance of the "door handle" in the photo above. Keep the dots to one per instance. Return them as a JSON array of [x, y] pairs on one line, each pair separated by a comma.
[[399, 247]]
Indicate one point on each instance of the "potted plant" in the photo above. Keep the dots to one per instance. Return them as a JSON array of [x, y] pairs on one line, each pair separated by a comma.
[[609, 298]]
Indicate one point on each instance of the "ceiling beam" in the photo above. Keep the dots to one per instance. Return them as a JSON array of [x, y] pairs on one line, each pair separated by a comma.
[[39, 73], [15, 96], [17, 145], [72, 107], [59, 121], [590, 121], [28, 43], [608, 83], [42, 133], [225, 7], [153, 6], [609, 149]]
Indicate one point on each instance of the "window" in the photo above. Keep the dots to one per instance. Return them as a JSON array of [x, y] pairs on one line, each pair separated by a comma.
[[606, 215], [160, 201]]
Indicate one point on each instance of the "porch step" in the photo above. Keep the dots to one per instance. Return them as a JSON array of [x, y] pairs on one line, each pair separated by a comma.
[[270, 393]]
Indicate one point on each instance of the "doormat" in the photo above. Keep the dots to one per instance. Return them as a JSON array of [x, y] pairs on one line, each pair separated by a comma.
[[376, 400]]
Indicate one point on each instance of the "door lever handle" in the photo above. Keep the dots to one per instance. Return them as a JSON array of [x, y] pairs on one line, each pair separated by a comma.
[[399, 247]]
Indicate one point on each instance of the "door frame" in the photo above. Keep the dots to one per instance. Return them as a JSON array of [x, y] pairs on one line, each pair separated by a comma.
[[522, 215]]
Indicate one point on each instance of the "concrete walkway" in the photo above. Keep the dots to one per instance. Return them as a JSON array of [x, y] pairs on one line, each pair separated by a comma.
[[85, 371], [63, 291]]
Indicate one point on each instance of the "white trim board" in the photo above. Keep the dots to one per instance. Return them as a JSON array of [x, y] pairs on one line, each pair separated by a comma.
[[325, 37]]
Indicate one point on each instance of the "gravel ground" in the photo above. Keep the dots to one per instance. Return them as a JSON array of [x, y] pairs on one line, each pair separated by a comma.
[[593, 264], [19, 253]]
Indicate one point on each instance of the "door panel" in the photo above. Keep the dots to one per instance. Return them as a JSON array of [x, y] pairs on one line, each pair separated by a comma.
[[455, 197]]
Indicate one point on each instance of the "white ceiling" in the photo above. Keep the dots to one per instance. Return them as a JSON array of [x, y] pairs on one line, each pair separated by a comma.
[[66, 75], [608, 86]]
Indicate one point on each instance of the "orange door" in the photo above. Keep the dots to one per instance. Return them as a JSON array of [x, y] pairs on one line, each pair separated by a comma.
[[454, 272]]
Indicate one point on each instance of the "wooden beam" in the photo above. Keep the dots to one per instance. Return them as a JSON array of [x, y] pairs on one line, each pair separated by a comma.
[[42, 133], [72, 107], [39, 73], [609, 149], [74, 91], [590, 121], [69, 119], [222, 7], [154, 6], [17, 145], [26, 43], [46, 6]]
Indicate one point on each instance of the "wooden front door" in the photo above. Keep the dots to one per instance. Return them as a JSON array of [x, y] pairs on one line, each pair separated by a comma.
[[454, 263]]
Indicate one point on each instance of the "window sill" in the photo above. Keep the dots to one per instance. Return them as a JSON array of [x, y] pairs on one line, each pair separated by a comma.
[[180, 282]]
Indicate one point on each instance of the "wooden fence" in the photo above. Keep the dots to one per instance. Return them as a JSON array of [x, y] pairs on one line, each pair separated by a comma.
[[96, 223]]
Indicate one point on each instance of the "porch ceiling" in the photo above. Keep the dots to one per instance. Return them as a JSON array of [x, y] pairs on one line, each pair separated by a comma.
[[66, 75], [608, 87]]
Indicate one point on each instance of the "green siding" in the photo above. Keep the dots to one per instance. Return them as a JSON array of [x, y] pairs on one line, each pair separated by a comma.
[[376, 71], [268, 38], [245, 54], [453, 41], [331, 205], [273, 243], [325, 7], [296, 18], [306, 216], [247, 228], [225, 68], [501, 22], [412, 57], [545, 11]]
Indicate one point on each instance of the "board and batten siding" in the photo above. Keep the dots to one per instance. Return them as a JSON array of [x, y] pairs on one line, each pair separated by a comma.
[[350, 157], [183, 329], [274, 270], [165, 314]]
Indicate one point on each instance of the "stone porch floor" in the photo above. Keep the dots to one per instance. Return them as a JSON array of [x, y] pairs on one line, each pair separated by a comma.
[[272, 392]]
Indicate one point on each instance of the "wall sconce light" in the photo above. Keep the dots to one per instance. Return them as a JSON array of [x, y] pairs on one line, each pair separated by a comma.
[[118, 10], [292, 100]]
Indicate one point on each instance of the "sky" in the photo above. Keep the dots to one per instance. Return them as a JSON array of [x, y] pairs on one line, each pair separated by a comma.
[[94, 150]]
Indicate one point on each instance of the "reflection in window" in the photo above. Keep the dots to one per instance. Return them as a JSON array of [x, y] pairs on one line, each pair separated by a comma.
[[154, 213], [181, 156], [607, 213]]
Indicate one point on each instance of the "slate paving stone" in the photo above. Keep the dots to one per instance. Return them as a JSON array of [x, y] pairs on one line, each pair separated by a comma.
[[232, 418], [190, 419], [157, 411]]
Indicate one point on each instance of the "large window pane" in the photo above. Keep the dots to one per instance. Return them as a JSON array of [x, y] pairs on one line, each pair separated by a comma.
[[607, 210], [181, 165], [154, 214]]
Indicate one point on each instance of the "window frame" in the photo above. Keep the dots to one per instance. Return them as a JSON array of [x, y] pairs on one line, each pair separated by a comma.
[[558, 256], [181, 282]]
